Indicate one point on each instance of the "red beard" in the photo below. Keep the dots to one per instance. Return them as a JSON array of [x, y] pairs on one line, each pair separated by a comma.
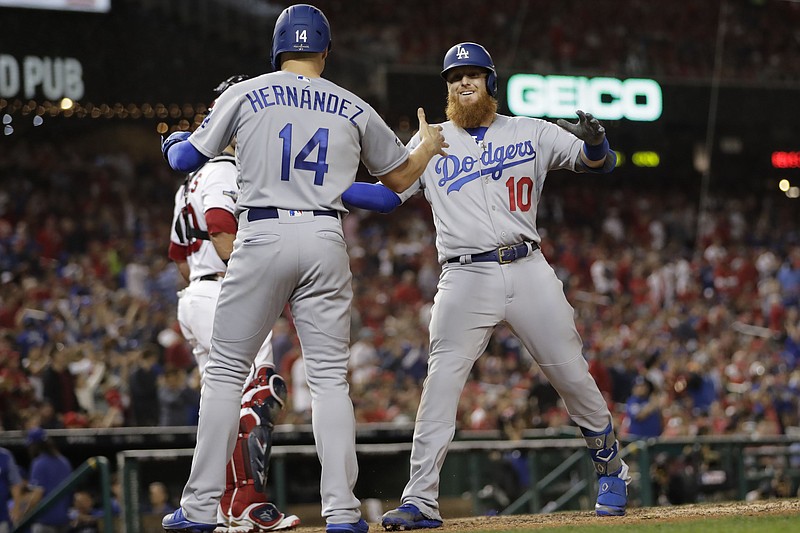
[[472, 115]]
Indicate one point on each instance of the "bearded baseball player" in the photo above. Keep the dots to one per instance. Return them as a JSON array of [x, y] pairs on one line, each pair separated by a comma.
[[203, 230], [300, 139], [484, 196]]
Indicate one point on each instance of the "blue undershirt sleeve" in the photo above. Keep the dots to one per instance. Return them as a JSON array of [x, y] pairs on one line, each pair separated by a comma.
[[371, 196], [608, 164], [184, 157]]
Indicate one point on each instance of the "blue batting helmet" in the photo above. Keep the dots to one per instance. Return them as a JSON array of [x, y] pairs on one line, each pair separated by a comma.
[[474, 55], [300, 28]]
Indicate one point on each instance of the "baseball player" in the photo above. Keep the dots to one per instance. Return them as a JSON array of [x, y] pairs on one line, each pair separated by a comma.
[[299, 141], [203, 230], [484, 196]]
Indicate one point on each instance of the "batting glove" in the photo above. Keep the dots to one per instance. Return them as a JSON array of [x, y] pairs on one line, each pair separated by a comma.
[[174, 138], [588, 129]]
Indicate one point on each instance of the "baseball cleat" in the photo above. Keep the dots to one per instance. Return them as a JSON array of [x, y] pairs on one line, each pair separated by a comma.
[[356, 527], [612, 498], [177, 522], [258, 518], [407, 516]]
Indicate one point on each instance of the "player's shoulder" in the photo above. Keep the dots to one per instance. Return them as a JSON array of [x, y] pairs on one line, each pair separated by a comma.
[[523, 120], [531, 124]]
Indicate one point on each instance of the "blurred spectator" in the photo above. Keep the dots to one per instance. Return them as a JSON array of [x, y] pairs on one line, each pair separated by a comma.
[[363, 363], [48, 419], [175, 398], [58, 383], [84, 517], [144, 389], [158, 500], [789, 278], [48, 470], [16, 392], [643, 411]]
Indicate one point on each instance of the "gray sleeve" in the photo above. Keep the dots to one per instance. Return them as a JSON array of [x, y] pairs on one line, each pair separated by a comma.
[[558, 148], [381, 150], [217, 130]]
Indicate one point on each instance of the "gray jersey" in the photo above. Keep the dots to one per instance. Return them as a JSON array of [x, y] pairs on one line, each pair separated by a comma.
[[485, 195], [286, 125]]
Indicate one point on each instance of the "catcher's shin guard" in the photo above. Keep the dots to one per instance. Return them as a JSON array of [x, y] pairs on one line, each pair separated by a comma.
[[247, 471], [612, 472]]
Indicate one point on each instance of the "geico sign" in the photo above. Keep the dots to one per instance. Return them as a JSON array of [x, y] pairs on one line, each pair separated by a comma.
[[55, 77], [606, 98]]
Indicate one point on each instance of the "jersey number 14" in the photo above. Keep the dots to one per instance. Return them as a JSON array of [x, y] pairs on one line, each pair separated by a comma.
[[301, 162]]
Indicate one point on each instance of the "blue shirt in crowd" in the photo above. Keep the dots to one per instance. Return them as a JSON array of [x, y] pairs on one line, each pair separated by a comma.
[[650, 426], [48, 472]]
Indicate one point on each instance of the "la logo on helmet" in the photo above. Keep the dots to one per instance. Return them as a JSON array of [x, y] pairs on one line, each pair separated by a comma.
[[463, 53]]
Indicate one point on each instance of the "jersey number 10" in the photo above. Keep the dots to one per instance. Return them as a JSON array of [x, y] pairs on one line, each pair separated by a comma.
[[301, 162], [519, 193]]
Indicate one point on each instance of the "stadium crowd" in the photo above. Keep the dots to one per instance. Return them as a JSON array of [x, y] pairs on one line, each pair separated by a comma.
[[88, 334], [638, 38]]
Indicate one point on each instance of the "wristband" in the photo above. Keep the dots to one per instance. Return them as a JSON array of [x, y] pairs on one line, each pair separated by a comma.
[[596, 152]]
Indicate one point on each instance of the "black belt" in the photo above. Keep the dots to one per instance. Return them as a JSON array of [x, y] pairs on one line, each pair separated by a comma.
[[261, 213], [502, 255], [211, 277]]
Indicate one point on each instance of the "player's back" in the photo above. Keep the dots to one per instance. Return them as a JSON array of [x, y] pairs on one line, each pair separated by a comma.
[[299, 140]]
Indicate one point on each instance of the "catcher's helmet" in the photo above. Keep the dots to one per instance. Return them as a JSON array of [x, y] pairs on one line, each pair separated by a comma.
[[300, 28], [233, 80], [471, 54]]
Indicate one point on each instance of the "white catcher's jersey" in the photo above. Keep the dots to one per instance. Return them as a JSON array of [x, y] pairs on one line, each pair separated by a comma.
[[485, 195], [285, 126], [212, 186]]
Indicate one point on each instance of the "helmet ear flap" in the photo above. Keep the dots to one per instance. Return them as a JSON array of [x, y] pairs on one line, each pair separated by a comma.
[[491, 83]]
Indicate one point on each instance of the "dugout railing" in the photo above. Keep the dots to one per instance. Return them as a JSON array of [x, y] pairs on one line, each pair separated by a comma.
[[91, 467], [560, 473]]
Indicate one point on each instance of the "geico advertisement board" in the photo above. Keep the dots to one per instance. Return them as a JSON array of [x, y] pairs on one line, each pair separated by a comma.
[[634, 99]]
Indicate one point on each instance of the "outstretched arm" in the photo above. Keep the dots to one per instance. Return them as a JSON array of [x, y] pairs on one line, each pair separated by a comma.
[[371, 196], [180, 153], [432, 143]]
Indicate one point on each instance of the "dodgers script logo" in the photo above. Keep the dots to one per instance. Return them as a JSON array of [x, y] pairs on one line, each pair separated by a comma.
[[457, 172]]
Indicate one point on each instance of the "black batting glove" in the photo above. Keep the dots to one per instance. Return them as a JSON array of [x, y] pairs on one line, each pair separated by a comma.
[[588, 129]]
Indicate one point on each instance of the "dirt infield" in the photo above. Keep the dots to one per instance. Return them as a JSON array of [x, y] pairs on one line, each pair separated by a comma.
[[634, 516]]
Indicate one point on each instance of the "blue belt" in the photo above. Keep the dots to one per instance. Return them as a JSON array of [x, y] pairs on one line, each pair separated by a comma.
[[261, 213], [502, 255]]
